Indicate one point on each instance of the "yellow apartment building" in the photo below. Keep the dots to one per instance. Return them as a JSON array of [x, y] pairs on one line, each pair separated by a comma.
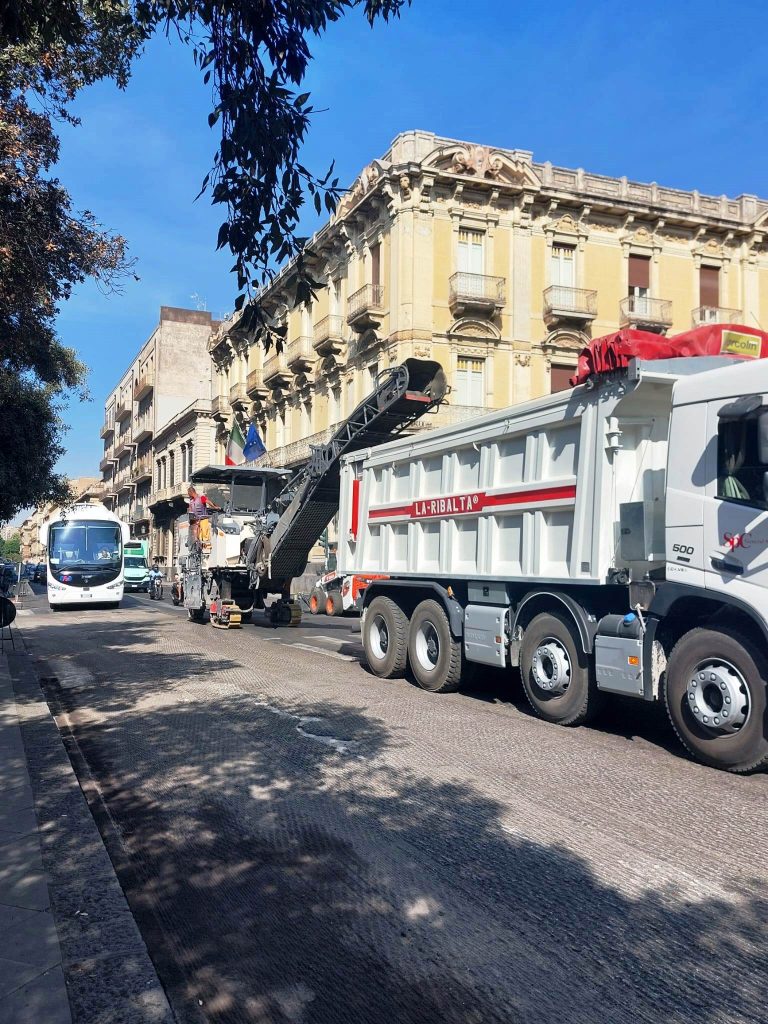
[[499, 267]]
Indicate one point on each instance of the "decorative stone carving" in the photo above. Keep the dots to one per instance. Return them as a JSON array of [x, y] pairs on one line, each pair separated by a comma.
[[484, 163], [522, 359], [422, 351], [565, 341], [360, 187], [405, 187], [643, 236], [466, 327]]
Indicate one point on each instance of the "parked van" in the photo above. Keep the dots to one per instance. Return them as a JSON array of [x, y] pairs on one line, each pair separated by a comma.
[[136, 571]]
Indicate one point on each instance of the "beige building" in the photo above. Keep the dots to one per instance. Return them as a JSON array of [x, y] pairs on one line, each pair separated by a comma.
[[499, 267], [170, 374], [84, 490]]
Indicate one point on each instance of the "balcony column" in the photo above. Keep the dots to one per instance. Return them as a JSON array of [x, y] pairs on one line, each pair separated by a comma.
[[519, 294], [423, 275]]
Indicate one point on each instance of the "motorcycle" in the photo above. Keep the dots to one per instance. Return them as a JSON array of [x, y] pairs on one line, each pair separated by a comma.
[[156, 589], [177, 591]]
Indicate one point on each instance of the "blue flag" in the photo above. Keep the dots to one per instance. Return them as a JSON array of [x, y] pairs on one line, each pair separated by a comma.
[[254, 446]]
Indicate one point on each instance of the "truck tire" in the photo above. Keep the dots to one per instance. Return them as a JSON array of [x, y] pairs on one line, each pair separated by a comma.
[[385, 638], [196, 614], [333, 603], [435, 656], [316, 601], [715, 693], [556, 674]]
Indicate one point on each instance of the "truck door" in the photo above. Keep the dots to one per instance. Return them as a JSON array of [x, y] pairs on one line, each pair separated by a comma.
[[736, 502]]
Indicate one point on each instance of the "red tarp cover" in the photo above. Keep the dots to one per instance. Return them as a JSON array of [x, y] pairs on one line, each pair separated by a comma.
[[614, 351]]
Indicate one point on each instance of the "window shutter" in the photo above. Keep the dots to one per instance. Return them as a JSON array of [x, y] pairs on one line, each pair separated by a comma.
[[375, 264], [559, 378], [471, 252], [639, 271], [709, 286]]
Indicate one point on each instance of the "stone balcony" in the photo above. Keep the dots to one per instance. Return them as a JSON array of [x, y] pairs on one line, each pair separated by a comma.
[[140, 513], [255, 385], [565, 305], [220, 407], [365, 307], [106, 463], [715, 315], [144, 386], [107, 429], [123, 481], [276, 374], [327, 337], [123, 409], [142, 468], [475, 293], [122, 445], [238, 396], [169, 493], [645, 314], [300, 355], [143, 428]]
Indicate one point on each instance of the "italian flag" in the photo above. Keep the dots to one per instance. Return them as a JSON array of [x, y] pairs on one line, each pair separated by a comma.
[[235, 446]]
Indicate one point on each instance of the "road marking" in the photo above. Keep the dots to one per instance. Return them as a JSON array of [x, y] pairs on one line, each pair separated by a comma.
[[327, 654], [25, 611]]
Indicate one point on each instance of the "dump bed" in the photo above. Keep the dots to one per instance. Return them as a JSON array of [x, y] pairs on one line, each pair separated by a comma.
[[531, 491]]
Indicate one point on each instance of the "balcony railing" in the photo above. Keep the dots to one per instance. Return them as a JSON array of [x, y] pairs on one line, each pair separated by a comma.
[[144, 428], [561, 303], [645, 313], [328, 334], [715, 315], [143, 386], [142, 468], [122, 445], [220, 407], [106, 463], [123, 409], [255, 386], [300, 354], [365, 307], [170, 492], [140, 513], [478, 293], [123, 481], [275, 369], [107, 429], [238, 396]]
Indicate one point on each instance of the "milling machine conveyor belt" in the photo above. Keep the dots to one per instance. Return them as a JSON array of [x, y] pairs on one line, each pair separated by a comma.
[[311, 500]]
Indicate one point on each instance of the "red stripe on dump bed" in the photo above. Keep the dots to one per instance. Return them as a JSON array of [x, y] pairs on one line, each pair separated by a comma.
[[355, 523], [477, 501]]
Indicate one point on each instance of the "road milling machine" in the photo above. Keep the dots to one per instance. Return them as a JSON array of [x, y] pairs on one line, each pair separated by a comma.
[[271, 518]]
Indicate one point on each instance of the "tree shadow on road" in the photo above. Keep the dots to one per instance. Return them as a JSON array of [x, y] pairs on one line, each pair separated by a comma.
[[285, 870]]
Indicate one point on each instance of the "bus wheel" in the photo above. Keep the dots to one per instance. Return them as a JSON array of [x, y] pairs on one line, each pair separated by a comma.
[[715, 692], [385, 638], [555, 672], [434, 654]]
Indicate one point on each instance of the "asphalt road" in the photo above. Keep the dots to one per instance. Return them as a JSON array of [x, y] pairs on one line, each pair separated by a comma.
[[302, 843]]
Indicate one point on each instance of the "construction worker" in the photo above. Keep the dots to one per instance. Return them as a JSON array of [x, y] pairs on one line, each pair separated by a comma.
[[199, 523]]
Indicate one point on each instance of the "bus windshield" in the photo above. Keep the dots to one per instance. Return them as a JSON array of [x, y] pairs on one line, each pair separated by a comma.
[[83, 553]]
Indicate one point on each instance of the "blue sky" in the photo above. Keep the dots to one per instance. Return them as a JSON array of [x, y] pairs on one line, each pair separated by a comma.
[[661, 92]]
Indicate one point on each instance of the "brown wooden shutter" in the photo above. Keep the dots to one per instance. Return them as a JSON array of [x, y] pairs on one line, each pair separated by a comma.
[[376, 264], [709, 286], [558, 378], [639, 271]]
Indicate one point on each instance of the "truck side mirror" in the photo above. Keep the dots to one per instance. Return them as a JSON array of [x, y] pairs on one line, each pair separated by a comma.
[[762, 437]]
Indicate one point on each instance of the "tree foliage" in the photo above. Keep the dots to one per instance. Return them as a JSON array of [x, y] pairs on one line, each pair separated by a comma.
[[254, 55], [11, 548]]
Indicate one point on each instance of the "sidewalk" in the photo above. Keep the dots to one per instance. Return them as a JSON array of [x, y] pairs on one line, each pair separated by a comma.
[[31, 976], [71, 952]]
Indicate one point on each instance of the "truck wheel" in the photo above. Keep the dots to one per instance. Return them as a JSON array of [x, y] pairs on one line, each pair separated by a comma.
[[434, 654], [385, 638], [316, 602], [333, 604], [715, 692], [556, 674]]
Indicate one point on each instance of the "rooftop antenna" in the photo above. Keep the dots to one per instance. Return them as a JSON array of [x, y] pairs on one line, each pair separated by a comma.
[[200, 304]]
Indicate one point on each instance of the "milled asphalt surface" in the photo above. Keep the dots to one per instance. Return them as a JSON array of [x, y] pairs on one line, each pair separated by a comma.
[[302, 842]]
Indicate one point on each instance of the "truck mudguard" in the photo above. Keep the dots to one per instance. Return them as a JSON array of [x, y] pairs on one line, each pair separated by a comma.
[[586, 623], [453, 609], [669, 593]]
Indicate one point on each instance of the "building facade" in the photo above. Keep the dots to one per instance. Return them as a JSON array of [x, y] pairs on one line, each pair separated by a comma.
[[500, 268], [169, 376]]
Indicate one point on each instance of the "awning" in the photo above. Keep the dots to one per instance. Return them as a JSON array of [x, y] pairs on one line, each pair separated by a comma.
[[238, 474]]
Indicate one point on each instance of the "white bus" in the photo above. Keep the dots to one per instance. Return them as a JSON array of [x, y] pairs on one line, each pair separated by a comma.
[[85, 556]]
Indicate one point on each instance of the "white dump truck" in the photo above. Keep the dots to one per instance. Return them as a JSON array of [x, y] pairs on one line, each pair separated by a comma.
[[611, 539]]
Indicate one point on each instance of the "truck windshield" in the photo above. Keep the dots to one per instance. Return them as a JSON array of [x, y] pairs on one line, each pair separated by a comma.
[[135, 562], [83, 553]]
